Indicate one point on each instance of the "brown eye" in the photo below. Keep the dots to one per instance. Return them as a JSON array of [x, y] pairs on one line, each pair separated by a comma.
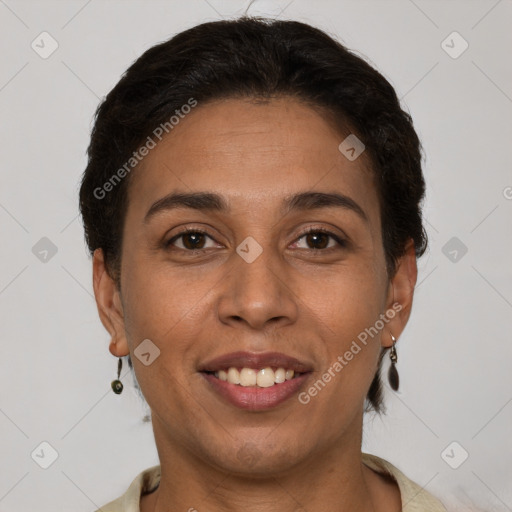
[[319, 239], [192, 240]]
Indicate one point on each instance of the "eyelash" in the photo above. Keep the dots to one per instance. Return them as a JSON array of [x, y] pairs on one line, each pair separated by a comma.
[[341, 242]]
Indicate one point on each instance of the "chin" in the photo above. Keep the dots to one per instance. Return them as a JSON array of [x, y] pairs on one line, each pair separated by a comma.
[[258, 460]]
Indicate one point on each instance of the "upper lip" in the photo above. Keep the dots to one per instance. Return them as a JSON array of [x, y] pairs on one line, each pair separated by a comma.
[[255, 360]]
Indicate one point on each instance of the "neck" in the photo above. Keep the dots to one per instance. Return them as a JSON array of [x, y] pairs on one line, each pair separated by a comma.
[[335, 479]]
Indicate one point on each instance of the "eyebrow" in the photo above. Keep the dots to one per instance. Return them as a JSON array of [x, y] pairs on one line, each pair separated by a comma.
[[211, 202]]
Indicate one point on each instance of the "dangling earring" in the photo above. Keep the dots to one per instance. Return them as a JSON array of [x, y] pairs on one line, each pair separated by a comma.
[[117, 385], [393, 379]]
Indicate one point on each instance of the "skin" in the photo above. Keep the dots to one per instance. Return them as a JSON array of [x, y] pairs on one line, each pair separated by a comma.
[[310, 306]]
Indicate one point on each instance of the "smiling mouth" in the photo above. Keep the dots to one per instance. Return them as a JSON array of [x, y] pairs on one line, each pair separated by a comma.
[[251, 377]]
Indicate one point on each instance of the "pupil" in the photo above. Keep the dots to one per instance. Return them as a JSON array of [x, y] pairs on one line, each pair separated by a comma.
[[193, 240], [313, 239], [195, 237]]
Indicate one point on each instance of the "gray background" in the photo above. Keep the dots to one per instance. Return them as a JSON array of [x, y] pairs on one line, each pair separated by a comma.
[[455, 355]]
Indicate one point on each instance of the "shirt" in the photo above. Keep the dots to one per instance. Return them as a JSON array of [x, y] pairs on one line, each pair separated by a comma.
[[414, 498]]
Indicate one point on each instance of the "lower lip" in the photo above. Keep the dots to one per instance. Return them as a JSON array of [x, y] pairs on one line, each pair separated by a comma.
[[254, 398]]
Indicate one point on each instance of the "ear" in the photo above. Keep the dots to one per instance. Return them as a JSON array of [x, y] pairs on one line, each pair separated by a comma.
[[400, 294], [110, 308]]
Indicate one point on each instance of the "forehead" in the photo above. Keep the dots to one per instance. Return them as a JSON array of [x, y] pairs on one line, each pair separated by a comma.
[[253, 153]]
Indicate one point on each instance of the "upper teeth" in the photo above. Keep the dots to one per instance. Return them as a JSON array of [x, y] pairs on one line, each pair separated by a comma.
[[263, 378]]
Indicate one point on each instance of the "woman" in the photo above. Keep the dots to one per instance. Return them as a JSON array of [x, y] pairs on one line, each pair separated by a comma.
[[252, 204]]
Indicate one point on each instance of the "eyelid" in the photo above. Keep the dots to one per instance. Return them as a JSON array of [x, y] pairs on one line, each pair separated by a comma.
[[186, 230], [341, 240], [321, 229]]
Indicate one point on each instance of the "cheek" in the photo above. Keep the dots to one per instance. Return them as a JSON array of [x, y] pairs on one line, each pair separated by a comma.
[[162, 308], [352, 299], [155, 298], [170, 310], [351, 307]]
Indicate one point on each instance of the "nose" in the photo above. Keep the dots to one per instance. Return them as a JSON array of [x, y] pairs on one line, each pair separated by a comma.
[[258, 294]]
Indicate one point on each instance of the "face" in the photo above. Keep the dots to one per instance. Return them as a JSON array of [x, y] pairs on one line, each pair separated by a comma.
[[247, 276]]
